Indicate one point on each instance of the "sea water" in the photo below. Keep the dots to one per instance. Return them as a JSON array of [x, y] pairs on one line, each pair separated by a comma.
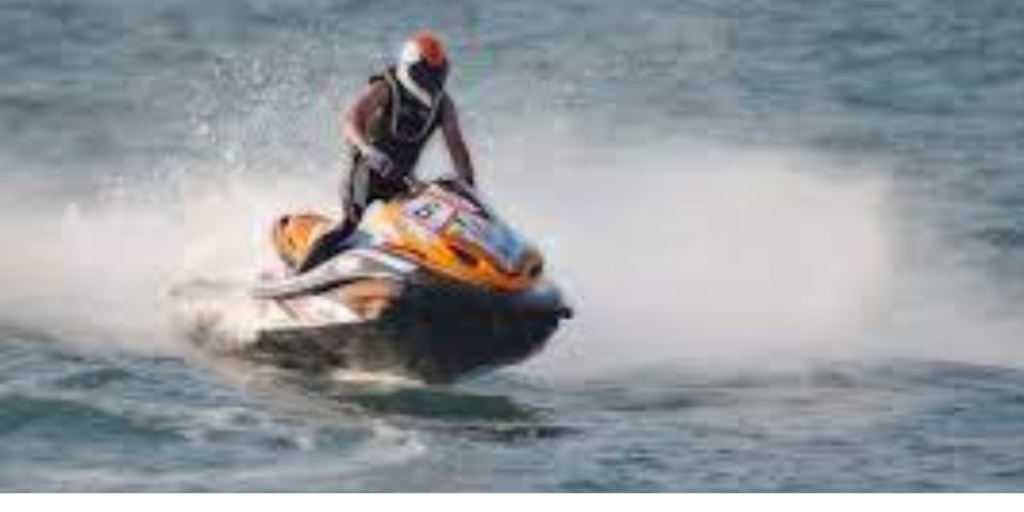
[[791, 230]]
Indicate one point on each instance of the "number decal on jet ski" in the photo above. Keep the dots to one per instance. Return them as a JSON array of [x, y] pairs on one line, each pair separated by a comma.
[[430, 213]]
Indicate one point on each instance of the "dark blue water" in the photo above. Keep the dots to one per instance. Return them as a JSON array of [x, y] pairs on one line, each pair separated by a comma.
[[792, 230]]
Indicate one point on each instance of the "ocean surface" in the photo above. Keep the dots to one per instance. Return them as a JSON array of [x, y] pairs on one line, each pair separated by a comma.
[[792, 231]]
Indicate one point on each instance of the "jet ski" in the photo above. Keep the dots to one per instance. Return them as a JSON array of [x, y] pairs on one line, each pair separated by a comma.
[[432, 286]]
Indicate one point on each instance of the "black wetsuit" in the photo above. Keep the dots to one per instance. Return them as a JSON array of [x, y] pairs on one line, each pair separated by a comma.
[[400, 129]]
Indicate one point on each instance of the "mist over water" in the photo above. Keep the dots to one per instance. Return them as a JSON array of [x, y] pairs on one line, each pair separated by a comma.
[[718, 253], [695, 252]]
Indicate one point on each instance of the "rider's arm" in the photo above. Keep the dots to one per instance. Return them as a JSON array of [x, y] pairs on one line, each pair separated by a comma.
[[456, 144], [357, 117]]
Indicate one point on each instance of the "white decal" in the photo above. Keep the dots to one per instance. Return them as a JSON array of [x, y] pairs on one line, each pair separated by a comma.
[[325, 310]]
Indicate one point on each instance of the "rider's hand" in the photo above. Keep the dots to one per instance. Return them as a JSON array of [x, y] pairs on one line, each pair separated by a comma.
[[378, 162]]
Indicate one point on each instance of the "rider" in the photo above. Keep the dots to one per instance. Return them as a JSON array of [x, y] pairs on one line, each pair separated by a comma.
[[387, 128]]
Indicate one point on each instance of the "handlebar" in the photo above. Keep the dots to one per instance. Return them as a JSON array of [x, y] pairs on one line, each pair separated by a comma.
[[415, 184]]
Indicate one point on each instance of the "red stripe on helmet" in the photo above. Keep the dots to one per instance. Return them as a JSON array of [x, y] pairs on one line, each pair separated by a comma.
[[430, 48]]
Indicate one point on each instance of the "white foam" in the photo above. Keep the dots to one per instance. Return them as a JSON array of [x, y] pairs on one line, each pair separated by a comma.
[[99, 270], [692, 252]]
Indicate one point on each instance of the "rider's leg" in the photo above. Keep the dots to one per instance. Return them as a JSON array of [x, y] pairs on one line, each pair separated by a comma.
[[361, 188], [355, 197]]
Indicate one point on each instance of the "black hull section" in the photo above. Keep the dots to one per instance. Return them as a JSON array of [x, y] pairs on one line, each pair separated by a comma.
[[435, 333]]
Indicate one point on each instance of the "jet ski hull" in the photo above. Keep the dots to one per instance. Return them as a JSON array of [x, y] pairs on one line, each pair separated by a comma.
[[430, 330]]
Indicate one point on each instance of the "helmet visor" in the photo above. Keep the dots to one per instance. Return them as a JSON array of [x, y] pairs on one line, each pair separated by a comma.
[[429, 78]]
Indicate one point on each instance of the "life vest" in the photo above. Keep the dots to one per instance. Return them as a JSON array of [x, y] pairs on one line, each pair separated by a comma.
[[402, 126]]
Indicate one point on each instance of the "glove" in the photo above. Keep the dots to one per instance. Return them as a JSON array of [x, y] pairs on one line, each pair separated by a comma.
[[378, 162]]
